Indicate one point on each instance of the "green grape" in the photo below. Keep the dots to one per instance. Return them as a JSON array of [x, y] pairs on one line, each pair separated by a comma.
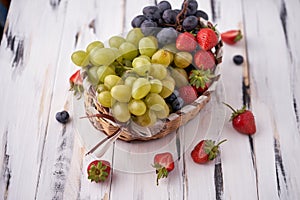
[[170, 78], [141, 66], [158, 71], [183, 59], [140, 88], [167, 89], [93, 45], [130, 80], [147, 119], [155, 102], [163, 113], [120, 111], [104, 71], [105, 99], [140, 61], [180, 77], [128, 51], [182, 72], [121, 93], [127, 63], [112, 80], [148, 46], [118, 55], [102, 56], [154, 39], [93, 75], [162, 57], [116, 41], [137, 107], [146, 57], [101, 88], [80, 58], [156, 86], [134, 36], [142, 70], [171, 48]]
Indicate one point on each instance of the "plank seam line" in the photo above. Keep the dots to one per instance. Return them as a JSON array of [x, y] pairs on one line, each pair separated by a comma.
[[246, 89]]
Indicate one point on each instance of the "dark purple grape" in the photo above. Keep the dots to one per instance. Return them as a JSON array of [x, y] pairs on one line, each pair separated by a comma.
[[152, 12], [202, 14], [192, 7], [172, 97], [149, 27], [169, 16], [177, 104], [177, 11], [176, 92], [160, 22], [137, 21], [190, 22], [164, 5], [166, 36]]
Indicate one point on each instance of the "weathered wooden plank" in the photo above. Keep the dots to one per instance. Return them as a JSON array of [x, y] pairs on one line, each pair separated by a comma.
[[238, 162], [95, 21], [274, 100], [29, 52]]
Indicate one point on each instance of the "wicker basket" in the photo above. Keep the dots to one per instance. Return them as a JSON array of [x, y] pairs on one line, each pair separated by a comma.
[[102, 120]]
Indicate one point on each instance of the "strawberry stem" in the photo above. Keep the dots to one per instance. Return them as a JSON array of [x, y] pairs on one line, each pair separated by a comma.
[[229, 106], [221, 142]]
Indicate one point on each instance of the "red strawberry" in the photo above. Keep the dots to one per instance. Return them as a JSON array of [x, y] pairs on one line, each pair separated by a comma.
[[98, 170], [204, 60], [76, 83], [200, 80], [243, 120], [205, 151], [232, 36], [186, 42], [201, 90], [188, 94], [207, 38], [163, 163]]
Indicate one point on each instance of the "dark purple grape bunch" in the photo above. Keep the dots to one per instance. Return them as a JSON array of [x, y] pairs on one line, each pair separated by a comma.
[[162, 15], [174, 101]]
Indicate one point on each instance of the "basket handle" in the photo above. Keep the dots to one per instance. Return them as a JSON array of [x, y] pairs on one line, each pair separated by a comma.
[[100, 115]]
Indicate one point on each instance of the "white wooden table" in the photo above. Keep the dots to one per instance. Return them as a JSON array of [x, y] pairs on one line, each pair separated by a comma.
[[43, 159]]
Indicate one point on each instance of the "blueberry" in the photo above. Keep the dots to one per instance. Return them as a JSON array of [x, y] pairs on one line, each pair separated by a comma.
[[201, 14], [238, 59], [62, 117]]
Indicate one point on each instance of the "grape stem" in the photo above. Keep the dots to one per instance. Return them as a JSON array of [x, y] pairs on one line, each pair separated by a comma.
[[182, 13]]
